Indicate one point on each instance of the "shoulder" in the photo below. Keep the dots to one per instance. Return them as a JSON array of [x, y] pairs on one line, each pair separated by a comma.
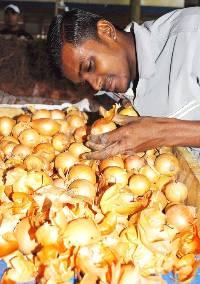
[[178, 21]]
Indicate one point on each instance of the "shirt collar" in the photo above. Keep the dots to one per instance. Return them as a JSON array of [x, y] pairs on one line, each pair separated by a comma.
[[145, 58]]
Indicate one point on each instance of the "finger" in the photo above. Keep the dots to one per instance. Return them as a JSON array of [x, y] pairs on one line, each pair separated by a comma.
[[97, 139], [109, 151], [124, 119], [94, 146]]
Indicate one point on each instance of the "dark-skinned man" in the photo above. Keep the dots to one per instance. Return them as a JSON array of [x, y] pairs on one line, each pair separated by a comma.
[[159, 59]]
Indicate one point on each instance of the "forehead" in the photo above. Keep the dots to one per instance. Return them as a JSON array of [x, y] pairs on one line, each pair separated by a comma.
[[70, 58]]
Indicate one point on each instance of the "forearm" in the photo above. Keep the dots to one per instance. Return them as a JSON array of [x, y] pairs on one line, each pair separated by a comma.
[[176, 132]]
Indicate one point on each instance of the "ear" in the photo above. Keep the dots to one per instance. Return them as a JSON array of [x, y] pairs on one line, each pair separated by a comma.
[[106, 29]]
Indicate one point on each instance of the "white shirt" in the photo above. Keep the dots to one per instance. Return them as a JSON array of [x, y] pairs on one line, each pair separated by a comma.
[[168, 53]]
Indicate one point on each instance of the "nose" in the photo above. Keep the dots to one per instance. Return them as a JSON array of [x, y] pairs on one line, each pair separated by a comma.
[[94, 81]]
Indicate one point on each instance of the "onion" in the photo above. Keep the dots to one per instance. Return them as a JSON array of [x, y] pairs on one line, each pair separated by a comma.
[[65, 161], [150, 173], [139, 184], [129, 111], [176, 191], [116, 175], [64, 126], [21, 151], [41, 113], [82, 172], [59, 182], [81, 232], [9, 139], [80, 134], [60, 142], [8, 148], [180, 216], [115, 161], [75, 121], [26, 118], [76, 112], [165, 149], [81, 187], [35, 163], [26, 243], [19, 127], [162, 181], [167, 164], [57, 114], [45, 150], [6, 125], [134, 162], [46, 126], [77, 149], [29, 137], [47, 234], [101, 126]]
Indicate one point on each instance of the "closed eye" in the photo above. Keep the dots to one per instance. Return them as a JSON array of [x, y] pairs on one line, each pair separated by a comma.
[[90, 67]]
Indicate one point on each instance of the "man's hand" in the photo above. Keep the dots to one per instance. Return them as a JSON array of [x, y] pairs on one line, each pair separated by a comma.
[[141, 134]]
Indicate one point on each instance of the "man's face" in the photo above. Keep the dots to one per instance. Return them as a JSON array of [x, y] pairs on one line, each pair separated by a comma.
[[103, 64], [11, 18]]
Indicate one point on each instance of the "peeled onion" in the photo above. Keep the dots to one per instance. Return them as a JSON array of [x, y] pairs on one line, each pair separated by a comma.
[[81, 232], [29, 137], [19, 127], [150, 173], [6, 125], [139, 184], [134, 162], [47, 234], [60, 142], [75, 121], [65, 161], [82, 172], [46, 126], [57, 114], [84, 188], [80, 134], [114, 161], [41, 113], [116, 175], [8, 148], [35, 163], [77, 149], [167, 164], [45, 150], [101, 126], [180, 216], [176, 191], [21, 151]]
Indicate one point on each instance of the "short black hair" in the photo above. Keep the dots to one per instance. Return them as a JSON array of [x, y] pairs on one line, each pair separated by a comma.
[[75, 27]]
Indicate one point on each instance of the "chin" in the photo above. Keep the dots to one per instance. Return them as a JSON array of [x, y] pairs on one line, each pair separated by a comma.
[[123, 87]]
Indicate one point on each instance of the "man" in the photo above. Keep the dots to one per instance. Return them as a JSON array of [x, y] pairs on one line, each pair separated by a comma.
[[160, 59], [12, 28]]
